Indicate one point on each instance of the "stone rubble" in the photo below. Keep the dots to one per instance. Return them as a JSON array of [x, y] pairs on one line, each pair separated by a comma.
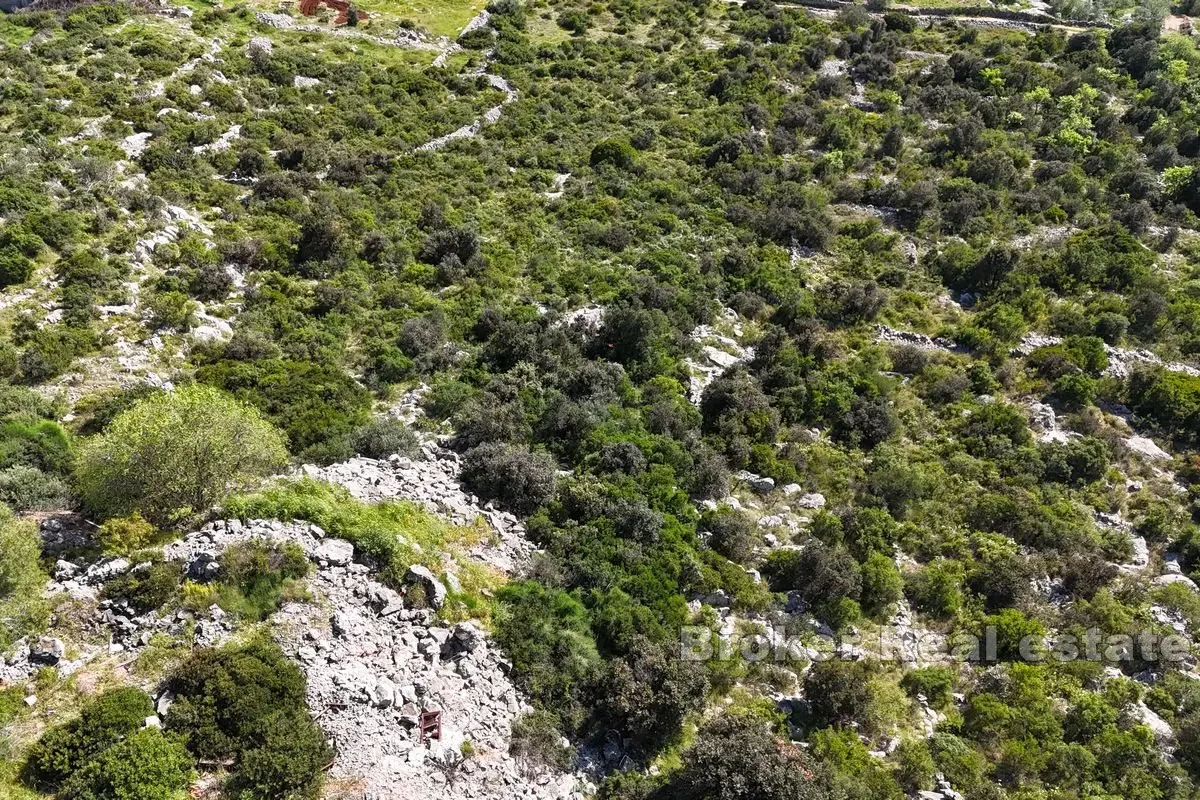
[[1121, 361], [718, 353]]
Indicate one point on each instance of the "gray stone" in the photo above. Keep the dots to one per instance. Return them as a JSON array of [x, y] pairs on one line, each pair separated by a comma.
[[435, 592], [384, 693], [811, 501], [759, 483], [1146, 448], [48, 651], [260, 46], [337, 552]]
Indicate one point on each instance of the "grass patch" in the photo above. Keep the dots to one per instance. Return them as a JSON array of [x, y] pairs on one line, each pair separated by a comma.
[[439, 17], [395, 535]]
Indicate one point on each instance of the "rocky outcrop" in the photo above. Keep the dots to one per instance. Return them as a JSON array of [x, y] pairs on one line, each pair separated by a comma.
[[433, 482], [718, 352]]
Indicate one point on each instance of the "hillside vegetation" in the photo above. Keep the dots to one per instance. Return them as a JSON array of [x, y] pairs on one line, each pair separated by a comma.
[[860, 331]]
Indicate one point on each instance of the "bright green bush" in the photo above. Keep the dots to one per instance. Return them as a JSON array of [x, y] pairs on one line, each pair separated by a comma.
[[22, 607], [125, 534], [175, 455]]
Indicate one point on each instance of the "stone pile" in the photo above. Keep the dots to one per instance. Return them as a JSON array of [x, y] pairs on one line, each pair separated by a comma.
[[373, 664], [433, 482]]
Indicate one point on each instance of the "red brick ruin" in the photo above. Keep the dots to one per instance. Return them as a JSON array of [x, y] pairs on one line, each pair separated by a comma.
[[309, 8]]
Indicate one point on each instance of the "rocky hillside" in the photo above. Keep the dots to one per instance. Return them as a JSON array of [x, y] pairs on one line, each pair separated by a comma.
[[674, 398]]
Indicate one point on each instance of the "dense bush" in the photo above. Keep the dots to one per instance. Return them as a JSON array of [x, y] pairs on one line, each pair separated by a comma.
[[384, 437], [247, 703], [148, 765], [516, 477], [740, 758], [315, 405], [105, 722], [175, 455]]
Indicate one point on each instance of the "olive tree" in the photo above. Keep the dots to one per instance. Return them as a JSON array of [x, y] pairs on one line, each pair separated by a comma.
[[177, 454]]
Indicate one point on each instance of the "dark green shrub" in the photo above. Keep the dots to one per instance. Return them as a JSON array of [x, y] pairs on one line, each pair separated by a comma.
[[247, 703], [617, 152], [312, 403], [837, 691], [383, 437], [648, 694], [149, 765], [731, 533], [147, 588], [104, 722], [516, 477], [741, 758]]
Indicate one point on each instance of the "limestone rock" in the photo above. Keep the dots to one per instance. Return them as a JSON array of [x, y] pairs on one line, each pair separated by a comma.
[[435, 592]]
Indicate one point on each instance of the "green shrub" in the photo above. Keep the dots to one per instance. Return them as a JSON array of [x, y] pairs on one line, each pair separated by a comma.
[[255, 575], [731, 533], [23, 610], [314, 404], [516, 477], [738, 758], [176, 455], [383, 437], [146, 588], [172, 310], [936, 683], [617, 152], [149, 765], [1171, 399], [104, 722], [41, 444], [247, 703], [125, 534], [24, 488]]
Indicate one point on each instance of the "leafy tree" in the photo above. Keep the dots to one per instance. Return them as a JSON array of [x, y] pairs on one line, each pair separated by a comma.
[[175, 455]]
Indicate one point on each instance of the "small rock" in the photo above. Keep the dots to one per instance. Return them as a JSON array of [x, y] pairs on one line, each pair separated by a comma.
[[337, 552], [435, 592], [259, 47], [1146, 448], [812, 500], [48, 651]]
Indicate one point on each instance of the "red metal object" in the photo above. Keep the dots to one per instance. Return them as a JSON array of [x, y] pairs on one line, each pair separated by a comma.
[[430, 726], [309, 7]]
